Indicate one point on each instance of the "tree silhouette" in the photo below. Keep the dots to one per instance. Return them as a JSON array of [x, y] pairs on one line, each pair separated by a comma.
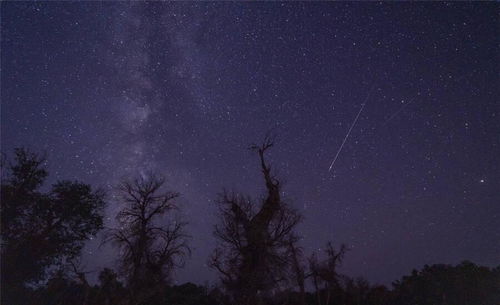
[[151, 245], [258, 256], [253, 253], [324, 274], [463, 284], [110, 288], [41, 229], [299, 274]]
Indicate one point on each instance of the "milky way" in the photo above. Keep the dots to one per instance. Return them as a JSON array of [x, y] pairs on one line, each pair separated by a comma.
[[111, 90]]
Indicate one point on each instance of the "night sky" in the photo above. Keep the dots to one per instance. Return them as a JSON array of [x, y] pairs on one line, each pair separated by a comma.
[[111, 89]]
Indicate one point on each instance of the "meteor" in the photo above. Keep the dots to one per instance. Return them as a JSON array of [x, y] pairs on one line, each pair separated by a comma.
[[350, 129], [397, 112]]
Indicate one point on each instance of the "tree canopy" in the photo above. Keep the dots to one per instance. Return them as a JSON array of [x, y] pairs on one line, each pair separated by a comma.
[[42, 229]]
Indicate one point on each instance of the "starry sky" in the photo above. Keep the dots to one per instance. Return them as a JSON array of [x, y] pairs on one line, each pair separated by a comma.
[[112, 89]]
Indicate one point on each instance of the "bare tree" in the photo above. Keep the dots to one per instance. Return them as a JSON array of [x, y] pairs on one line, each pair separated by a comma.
[[151, 245], [253, 253], [325, 276]]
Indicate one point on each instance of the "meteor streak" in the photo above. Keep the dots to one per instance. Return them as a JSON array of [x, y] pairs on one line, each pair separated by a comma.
[[350, 129], [397, 112]]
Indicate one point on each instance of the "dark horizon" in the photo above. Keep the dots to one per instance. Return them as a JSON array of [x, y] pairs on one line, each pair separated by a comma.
[[110, 90]]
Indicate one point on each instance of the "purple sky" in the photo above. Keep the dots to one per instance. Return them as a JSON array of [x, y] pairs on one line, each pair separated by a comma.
[[111, 89]]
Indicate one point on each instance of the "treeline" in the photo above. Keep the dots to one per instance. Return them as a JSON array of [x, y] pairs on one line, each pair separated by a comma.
[[464, 284], [258, 256]]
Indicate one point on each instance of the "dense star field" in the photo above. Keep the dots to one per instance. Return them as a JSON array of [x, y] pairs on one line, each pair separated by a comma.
[[111, 90]]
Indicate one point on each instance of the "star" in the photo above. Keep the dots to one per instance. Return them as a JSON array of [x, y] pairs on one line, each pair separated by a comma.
[[183, 88]]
